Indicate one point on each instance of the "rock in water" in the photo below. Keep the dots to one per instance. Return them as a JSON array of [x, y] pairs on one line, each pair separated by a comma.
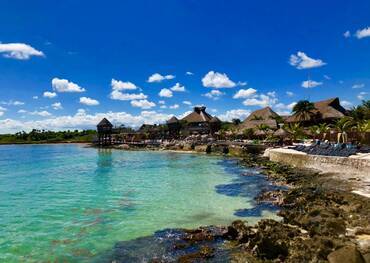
[[348, 254]]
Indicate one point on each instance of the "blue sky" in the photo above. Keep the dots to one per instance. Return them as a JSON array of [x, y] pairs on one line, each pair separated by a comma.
[[232, 56]]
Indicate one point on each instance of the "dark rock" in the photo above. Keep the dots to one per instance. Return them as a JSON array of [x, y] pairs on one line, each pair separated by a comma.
[[347, 254], [238, 231]]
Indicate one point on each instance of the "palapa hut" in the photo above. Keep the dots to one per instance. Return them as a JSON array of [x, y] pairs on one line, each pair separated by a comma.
[[215, 124], [281, 133], [264, 116], [326, 111], [104, 129], [174, 127], [198, 121]]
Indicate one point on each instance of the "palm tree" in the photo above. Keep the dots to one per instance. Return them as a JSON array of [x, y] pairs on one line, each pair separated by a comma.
[[343, 125], [295, 129], [304, 110]]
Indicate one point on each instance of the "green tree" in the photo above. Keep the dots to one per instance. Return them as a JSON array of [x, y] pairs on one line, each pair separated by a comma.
[[304, 110]]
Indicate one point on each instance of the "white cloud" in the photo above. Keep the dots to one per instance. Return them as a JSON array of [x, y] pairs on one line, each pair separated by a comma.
[[242, 83], [64, 85], [302, 61], [165, 93], [178, 87], [186, 102], [35, 97], [1, 113], [82, 120], [120, 85], [48, 94], [284, 109], [144, 104], [261, 100], [175, 106], [217, 80], [289, 93], [43, 113], [2, 109], [346, 104], [118, 95], [214, 94], [22, 111], [244, 93], [361, 33], [19, 51], [162, 102], [163, 107], [347, 34], [234, 114], [327, 77], [57, 106], [189, 73], [358, 86], [310, 84], [362, 95], [156, 77], [89, 101], [12, 103]]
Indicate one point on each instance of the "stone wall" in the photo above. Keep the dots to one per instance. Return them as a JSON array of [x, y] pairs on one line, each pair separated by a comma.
[[344, 165]]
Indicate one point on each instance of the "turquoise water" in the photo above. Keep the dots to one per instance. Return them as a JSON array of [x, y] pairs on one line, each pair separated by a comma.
[[72, 203]]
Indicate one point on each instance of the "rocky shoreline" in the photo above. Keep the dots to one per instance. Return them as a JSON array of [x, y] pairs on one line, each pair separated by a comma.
[[322, 221]]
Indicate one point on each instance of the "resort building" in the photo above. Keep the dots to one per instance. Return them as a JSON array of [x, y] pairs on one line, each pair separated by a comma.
[[104, 129], [265, 116], [199, 122], [326, 111]]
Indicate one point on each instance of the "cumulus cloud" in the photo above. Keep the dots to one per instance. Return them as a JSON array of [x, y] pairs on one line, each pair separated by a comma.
[[2, 109], [144, 104], [346, 104], [120, 85], [361, 33], [89, 101], [358, 86], [310, 84], [118, 95], [43, 113], [19, 51], [178, 87], [302, 61], [284, 109], [261, 100], [362, 95], [347, 34], [57, 106], [12, 103], [175, 106], [165, 93], [189, 73], [35, 97], [186, 102], [234, 114], [289, 94], [82, 120], [64, 85], [244, 93], [48, 94], [217, 80], [214, 94], [162, 102], [156, 77]]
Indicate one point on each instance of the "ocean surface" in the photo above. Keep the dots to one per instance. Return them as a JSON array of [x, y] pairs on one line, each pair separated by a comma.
[[72, 203]]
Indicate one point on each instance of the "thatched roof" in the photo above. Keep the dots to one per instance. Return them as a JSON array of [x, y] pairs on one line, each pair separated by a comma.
[[215, 120], [263, 116], [198, 115], [105, 123], [324, 110], [173, 120], [281, 133]]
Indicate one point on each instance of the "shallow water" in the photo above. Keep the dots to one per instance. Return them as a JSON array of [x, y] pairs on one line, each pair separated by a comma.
[[68, 202]]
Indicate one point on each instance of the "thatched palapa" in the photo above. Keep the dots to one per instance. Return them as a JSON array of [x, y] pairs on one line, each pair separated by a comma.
[[264, 116]]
